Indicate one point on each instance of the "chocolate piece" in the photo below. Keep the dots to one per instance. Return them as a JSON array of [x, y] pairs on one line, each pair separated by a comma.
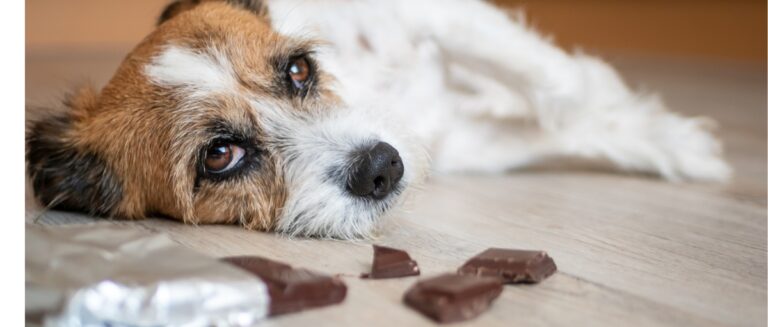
[[390, 263], [291, 289], [451, 298], [514, 266]]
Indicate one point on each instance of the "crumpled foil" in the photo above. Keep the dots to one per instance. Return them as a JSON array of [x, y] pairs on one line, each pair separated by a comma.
[[96, 275]]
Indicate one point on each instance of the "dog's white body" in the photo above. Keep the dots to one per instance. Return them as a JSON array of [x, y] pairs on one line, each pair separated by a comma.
[[482, 92], [459, 81]]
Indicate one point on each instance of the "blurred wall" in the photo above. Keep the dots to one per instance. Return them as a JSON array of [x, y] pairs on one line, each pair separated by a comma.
[[88, 24], [729, 29]]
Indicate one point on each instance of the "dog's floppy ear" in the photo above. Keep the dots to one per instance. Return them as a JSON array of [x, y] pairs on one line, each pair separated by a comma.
[[64, 175], [176, 7], [258, 7]]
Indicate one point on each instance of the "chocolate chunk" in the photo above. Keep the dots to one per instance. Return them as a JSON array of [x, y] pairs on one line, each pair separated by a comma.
[[514, 266], [451, 298], [390, 263], [291, 289]]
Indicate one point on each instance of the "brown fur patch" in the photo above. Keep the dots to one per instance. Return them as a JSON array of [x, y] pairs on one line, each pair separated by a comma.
[[176, 7]]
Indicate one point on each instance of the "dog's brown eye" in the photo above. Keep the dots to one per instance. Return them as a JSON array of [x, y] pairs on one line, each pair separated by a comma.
[[299, 72], [222, 157]]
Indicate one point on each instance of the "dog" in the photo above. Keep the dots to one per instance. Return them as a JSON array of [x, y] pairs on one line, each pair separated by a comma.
[[315, 118]]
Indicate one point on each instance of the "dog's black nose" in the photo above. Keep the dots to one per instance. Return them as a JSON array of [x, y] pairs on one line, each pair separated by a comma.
[[375, 172]]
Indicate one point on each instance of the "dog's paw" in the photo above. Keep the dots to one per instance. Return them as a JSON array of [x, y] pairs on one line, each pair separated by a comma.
[[641, 135], [693, 151]]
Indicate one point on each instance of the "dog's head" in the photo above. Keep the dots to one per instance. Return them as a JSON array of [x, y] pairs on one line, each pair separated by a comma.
[[216, 118]]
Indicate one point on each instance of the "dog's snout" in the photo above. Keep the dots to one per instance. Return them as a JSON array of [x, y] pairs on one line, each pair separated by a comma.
[[375, 172]]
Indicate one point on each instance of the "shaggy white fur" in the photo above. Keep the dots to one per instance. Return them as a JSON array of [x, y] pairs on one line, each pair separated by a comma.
[[199, 74], [485, 93]]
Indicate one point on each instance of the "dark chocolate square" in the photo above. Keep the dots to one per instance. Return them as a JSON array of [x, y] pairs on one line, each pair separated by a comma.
[[452, 298], [391, 263], [514, 266], [291, 289]]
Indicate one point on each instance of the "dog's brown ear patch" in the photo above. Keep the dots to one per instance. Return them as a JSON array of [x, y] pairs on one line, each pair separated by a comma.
[[175, 8], [65, 176], [258, 7]]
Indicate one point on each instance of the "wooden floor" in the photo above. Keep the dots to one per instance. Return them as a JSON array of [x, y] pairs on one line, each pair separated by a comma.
[[631, 250]]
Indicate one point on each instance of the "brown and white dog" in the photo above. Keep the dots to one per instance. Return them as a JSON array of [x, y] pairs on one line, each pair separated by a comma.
[[313, 118]]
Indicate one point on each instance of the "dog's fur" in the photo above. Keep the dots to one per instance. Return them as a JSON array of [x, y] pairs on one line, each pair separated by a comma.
[[459, 80]]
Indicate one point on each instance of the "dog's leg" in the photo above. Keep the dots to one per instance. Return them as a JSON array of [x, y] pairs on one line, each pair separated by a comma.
[[579, 104]]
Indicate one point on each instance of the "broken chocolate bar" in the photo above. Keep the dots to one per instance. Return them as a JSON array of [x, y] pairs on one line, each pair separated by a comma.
[[390, 263], [452, 298], [514, 266], [291, 289]]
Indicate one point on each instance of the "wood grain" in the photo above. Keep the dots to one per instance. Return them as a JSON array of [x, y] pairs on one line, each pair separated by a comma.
[[631, 250]]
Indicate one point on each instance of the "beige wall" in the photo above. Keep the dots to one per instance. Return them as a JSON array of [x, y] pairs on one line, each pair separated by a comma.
[[731, 29], [88, 24]]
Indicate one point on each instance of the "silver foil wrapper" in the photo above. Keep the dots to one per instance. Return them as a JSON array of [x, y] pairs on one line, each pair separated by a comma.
[[97, 275]]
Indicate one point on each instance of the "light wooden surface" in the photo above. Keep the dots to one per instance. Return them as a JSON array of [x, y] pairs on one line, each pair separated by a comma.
[[631, 250]]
